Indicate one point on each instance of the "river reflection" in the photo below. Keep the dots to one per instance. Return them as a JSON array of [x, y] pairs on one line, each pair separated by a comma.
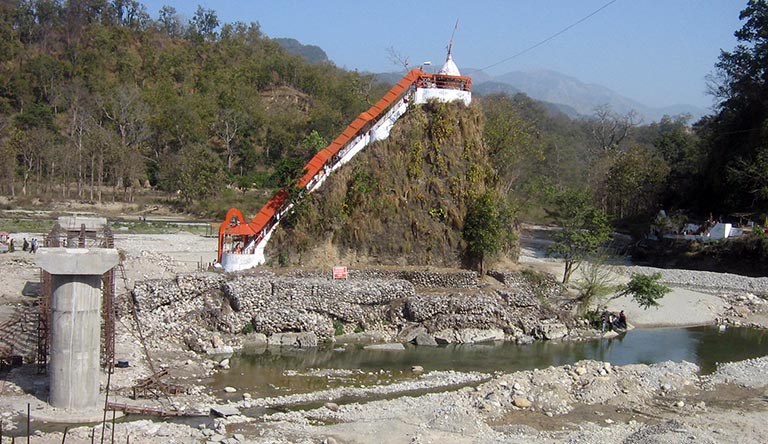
[[277, 371]]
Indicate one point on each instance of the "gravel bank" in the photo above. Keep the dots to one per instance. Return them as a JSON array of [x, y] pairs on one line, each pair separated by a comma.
[[704, 280]]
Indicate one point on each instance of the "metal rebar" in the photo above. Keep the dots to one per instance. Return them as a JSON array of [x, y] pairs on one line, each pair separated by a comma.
[[29, 413], [64, 437], [114, 413], [106, 402]]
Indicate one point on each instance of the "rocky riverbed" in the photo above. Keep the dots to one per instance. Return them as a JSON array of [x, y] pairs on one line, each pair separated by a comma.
[[185, 315]]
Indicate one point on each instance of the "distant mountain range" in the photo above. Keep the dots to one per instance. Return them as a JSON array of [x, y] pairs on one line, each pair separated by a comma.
[[566, 94], [557, 91], [554, 87]]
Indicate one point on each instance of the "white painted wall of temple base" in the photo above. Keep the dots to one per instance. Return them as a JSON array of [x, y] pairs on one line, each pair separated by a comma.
[[444, 95]]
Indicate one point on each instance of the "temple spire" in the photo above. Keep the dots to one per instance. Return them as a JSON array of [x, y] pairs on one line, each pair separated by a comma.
[[450, 68]]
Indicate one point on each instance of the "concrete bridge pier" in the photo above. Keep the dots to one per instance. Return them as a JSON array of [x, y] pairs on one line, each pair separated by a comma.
[[76, 296]]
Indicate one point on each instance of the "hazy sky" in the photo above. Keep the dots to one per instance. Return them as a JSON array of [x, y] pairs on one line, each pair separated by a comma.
[[657, 52]]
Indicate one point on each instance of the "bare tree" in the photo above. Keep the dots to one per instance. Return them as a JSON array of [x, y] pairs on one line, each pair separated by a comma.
[[128, 114], [80, 123], [226, 128], [7, 159], [397, 57], [29, 146], [609, 129], [99, 146]]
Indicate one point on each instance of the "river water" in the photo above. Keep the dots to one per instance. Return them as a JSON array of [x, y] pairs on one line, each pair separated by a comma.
[[273, 372]]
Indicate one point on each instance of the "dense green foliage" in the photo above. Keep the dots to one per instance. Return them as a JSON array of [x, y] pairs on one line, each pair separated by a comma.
[[487, 229], [645, 289], [95, 97], [584, 229], [99, 101]]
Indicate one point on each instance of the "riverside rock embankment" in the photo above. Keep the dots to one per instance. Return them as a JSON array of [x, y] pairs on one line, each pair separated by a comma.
[[449, 306]]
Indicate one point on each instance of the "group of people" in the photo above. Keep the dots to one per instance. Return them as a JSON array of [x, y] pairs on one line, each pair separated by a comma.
[[612, 321], [30, 246]]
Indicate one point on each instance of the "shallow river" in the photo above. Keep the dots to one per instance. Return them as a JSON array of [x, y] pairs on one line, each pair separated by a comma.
[[274, 372], [277, 372]]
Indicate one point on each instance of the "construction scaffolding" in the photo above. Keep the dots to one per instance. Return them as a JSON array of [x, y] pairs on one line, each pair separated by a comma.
[[78, 237]]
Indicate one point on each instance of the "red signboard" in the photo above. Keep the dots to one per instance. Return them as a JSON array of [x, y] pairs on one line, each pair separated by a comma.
[[339, 272]]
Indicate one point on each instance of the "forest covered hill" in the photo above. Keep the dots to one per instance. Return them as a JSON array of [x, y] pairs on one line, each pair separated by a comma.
[[99, 101]]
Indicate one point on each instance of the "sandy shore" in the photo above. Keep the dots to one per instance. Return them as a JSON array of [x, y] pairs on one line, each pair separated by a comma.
[[697, 298]]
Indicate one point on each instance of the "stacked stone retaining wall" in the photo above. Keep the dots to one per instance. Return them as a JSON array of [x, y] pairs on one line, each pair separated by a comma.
[[419, 278], [310, 302]]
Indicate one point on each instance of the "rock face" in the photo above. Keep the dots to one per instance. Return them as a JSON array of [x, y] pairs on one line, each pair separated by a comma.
[[386, 347], [302, 309], [485, 311], [301, 340]]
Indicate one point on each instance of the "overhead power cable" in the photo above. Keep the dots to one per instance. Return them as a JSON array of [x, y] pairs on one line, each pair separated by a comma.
[[530, 48]]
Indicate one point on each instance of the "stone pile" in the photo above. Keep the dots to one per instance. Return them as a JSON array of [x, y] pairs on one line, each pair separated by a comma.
[[187, 308], [194, 306], [747, 373], [556, 390], [439, 312], [419, 278], [538, 285], [154, 293], [705, 279], [312, 304]]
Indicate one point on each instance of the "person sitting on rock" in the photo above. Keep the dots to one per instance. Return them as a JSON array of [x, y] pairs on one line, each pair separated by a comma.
[[621, 322]]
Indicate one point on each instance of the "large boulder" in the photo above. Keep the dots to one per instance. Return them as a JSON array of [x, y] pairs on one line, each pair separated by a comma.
[[302, 340], [468, 335], [552, 330], [424, 339], [410, 331]]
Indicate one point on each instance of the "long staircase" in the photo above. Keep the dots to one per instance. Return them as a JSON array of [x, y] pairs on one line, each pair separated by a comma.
[[241, 244]]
